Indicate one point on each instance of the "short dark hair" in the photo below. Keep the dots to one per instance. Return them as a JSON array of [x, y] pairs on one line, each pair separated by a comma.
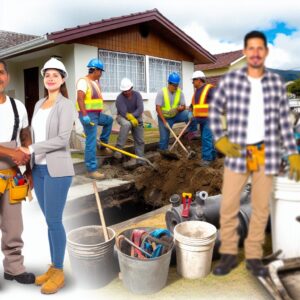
[[255, 34], [3, 62]]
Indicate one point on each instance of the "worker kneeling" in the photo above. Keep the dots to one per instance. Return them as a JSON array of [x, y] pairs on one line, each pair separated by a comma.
[[170, 108], [130, 109]]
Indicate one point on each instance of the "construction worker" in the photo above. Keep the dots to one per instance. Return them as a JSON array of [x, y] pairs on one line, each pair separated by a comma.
[[258, 124], [13, 129], [90, 106], [130, 110], [199, 114], [170, 108]]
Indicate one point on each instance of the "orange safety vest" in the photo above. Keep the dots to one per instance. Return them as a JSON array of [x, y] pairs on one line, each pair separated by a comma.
[[201, 108], [93, 98]]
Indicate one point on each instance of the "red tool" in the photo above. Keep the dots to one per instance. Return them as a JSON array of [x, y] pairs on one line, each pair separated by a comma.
[[186, 202], [136, 238]]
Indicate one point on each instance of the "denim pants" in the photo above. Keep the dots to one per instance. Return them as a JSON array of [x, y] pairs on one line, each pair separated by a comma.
[[91, 137], [137, 133], [208, 148], [164, 132], [52, 193]]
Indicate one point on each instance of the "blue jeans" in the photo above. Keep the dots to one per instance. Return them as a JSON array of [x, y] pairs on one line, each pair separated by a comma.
[[208, 148], [91, 137], [164, 132], [52, 193]]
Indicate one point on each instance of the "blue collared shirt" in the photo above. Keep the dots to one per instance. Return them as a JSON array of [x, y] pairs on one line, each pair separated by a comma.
[[232, 96]]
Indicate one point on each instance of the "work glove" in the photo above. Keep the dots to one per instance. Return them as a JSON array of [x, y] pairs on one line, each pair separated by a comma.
[[190, 115], [294, 161], [86, 120], [226, 147], [132, 119]]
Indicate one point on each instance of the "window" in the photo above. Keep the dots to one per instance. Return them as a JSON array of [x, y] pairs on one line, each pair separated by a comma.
[[159, 70], [119, 65]]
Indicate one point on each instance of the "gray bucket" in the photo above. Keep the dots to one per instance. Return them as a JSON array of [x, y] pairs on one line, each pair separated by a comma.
[[143, 276], [92, 259]]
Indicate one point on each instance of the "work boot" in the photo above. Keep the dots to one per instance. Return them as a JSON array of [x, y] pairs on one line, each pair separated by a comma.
[[25, 278], [103, 151], [41, 279], [54, 283], [95, 175], [226, 264], [117, 155], [256, 267]]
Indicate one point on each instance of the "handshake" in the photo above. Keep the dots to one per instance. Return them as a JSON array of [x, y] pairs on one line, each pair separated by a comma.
[[20, 156]]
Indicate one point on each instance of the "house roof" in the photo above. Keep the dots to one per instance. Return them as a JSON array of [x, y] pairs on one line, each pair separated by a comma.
[[9, 39], [214, 80], [223, 60], [153, 17]]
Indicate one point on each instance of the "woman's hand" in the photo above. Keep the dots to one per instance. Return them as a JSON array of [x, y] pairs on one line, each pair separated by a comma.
[[25, 150]]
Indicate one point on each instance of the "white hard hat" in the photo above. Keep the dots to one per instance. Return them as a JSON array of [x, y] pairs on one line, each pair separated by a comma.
[[198, 74], [54, 63], [126, 84]]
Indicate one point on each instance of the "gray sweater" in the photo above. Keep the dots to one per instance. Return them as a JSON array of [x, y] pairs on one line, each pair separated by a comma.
[[134, 105]]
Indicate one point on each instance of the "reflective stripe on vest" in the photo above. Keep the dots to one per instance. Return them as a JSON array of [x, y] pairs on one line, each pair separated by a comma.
[[167, 106], [201, 108], [93, 98]]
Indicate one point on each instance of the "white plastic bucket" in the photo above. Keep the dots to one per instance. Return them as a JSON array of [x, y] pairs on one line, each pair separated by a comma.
[[285, 217], [194, 242]]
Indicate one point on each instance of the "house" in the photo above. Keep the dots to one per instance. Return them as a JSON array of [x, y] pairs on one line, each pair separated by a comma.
[[145, 47], [225, 62]]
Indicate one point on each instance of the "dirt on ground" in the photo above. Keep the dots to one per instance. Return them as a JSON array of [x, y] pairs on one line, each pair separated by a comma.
[[171, 176]]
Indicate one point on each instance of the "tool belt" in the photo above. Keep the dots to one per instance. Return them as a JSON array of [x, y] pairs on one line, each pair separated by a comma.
[[16, 185], [255, 156]]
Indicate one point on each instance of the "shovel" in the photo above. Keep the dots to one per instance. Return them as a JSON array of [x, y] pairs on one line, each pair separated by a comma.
[[129, 154], [181, 133], [191, 154]]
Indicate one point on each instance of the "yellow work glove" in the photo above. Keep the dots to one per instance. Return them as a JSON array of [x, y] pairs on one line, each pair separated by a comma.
[[226, 147], [294, 160], [131, 118]]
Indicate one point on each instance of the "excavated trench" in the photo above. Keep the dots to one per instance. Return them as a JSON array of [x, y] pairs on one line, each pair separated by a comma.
[[146, 189]]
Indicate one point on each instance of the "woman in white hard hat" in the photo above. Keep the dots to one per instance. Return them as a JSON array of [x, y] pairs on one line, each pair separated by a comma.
[[52, 171]]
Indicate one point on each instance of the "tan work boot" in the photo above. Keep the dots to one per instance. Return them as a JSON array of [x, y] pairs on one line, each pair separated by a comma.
[[95, 175], [54, 283], [41, 279], [102, 151]]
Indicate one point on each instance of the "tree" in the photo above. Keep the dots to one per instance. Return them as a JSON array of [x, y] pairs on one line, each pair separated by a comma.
[[294, 88]]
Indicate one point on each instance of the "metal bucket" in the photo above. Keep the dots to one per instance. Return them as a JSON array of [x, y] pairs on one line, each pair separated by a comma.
[[143, 276], [92, 259]]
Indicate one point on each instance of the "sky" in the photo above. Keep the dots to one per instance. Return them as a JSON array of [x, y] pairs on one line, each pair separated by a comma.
[[217, 25]]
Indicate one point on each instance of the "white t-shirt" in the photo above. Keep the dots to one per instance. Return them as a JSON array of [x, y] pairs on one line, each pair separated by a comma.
[[82, 85], [256, 119], [7, 119], [39, 122]]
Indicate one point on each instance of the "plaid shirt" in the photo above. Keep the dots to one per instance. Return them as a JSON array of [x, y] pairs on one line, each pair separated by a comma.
[[232, 96]]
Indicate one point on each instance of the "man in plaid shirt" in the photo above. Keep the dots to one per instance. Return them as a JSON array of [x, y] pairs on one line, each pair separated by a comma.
[[254, 100]]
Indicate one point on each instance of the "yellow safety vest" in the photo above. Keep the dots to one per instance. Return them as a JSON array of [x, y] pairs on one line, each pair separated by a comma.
[[167, 106], [93, 98], [201, 108]]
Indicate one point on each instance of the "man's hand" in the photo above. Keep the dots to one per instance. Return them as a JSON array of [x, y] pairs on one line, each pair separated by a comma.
[[19, 157], [86, 120], [294, 161], [190, 115], [131, 118], [227, 148]]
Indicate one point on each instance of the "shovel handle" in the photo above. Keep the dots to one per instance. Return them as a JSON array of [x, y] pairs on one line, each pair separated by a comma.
[[181, 133], [176, 138], [100, 211]]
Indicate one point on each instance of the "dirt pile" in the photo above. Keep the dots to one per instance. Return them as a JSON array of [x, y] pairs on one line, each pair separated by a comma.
[[172, 177]]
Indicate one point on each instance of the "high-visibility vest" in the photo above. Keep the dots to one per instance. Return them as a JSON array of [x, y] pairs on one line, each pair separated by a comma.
[[200, 109], [167, 106], [93, 98]]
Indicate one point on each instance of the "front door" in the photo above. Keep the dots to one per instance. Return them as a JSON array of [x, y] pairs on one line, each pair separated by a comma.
[[31, 86]]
